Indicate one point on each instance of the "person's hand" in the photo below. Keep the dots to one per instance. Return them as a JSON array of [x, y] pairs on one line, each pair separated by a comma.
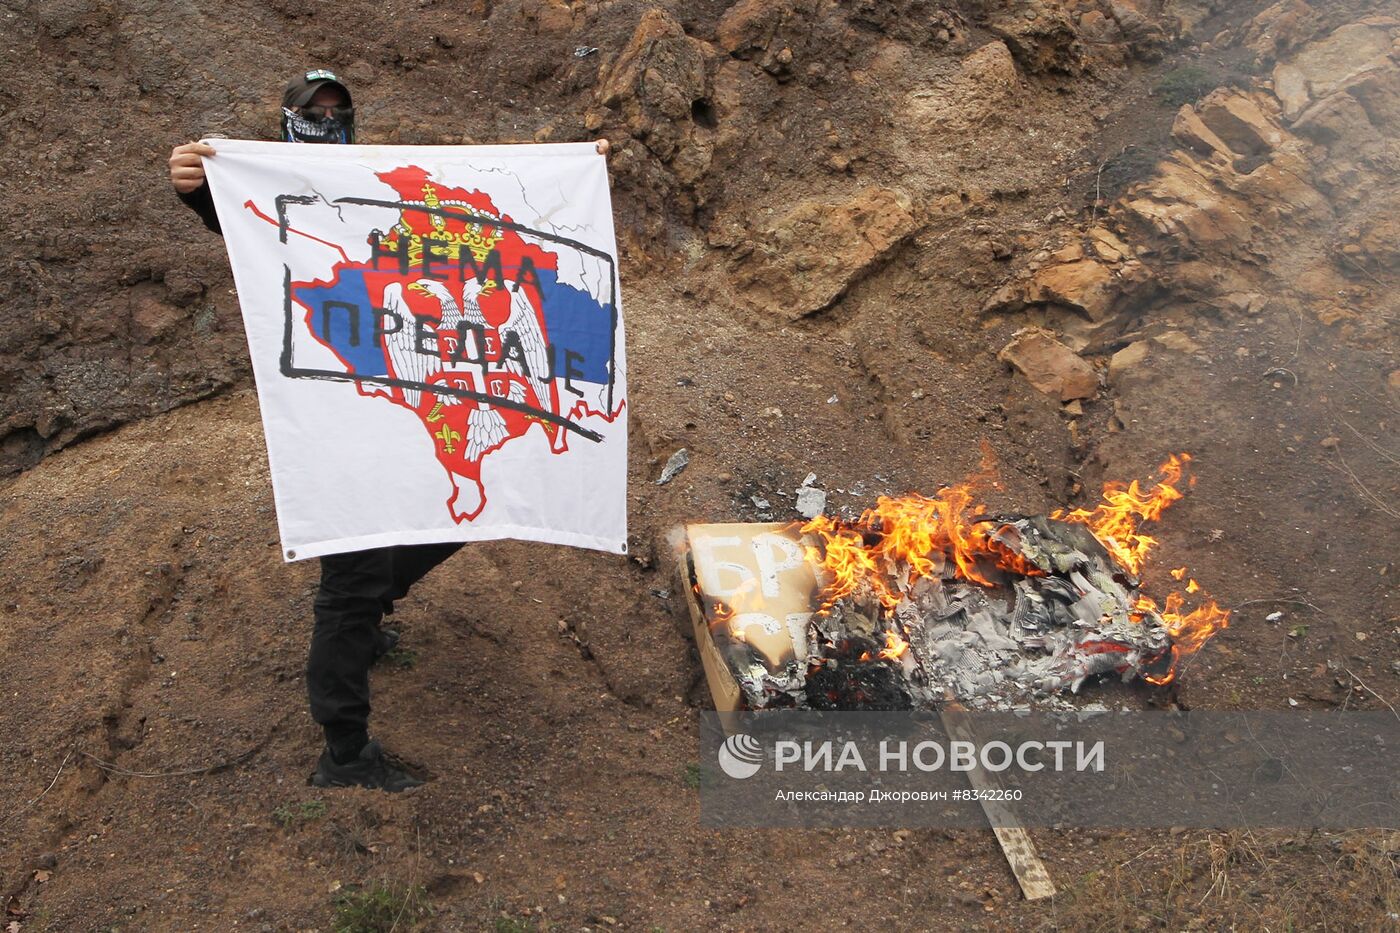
[[603, 146], [187, 167]]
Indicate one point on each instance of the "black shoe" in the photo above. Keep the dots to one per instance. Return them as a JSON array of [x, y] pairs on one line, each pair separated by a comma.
[[385, 640], [369, 769]]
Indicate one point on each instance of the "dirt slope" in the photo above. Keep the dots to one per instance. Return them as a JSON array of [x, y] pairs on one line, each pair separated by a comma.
[[833, 218]]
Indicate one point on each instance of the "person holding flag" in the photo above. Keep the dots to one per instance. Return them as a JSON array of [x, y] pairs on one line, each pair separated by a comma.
[[357, 588]]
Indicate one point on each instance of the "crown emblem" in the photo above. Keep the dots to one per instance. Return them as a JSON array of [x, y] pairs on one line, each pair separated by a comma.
[[450, 234]]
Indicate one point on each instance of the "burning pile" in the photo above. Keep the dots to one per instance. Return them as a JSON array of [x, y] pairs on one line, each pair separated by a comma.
[[921, 597]]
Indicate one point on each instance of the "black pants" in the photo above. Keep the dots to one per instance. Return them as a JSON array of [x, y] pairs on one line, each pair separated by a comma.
[[357, 590]]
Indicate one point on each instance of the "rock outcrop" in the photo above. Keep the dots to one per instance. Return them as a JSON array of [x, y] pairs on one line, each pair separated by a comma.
[[658, 85], [985, 81], [802, 261], [1277, 195], [1069, 36], [1050, 366], [1042, 35]]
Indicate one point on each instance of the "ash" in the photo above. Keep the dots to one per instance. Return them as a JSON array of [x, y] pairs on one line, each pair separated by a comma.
[[1072, 616]]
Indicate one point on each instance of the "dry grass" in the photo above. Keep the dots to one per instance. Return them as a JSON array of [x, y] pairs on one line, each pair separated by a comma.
[[1243, 880]]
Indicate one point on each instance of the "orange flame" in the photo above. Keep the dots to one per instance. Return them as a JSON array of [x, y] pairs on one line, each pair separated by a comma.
[[1115, 520], [915, 531], [1189, 631], [895, 647], [847, 561], [931, 536]]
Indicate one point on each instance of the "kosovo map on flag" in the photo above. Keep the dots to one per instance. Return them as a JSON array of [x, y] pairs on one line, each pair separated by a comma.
[[459, 317]]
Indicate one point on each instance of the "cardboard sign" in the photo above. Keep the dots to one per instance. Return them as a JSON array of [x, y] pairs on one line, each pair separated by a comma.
[[755, 587]]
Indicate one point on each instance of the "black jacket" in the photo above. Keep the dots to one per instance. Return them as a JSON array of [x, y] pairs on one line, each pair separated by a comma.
[[202, 203]]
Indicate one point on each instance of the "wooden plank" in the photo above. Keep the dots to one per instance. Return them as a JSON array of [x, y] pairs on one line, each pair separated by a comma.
[[1025, 864], [1015, 842]]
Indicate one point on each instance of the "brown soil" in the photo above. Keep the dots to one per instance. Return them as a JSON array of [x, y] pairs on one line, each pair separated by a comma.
[[153, 771]]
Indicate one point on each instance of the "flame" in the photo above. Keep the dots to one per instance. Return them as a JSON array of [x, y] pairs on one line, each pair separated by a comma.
[[925, 534], [847, 562], [1115, 520], [1189, 631], [895, 647], [944, 535], [720, 616]]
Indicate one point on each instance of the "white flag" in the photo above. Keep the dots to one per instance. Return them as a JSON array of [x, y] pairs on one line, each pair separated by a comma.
[[436, 334]]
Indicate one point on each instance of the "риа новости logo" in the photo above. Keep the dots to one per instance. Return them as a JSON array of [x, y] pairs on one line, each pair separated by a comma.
[[740, 756]]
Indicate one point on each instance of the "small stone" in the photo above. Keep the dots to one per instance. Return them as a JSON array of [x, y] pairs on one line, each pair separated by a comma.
[[1127, 365], [1050, 366], [1108, 246], [1248, 302], [1331, 443], [1190, 130], [1176, 340], [1085, 284], [674, 466]]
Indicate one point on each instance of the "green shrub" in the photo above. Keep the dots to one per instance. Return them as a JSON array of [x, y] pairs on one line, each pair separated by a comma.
[[294, 814], [379, 908], [1185, 84]]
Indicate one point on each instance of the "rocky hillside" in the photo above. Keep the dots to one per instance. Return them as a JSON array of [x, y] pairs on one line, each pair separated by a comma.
[[749, 137], [867, 240]]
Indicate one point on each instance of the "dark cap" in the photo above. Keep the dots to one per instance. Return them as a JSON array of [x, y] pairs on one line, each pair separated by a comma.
[[303, 87]]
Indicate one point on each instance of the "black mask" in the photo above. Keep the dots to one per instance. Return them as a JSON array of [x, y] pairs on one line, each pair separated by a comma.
[[330, 129]]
